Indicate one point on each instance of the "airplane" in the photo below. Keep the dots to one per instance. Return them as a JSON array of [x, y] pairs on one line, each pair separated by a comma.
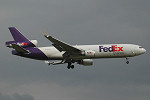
[[66, 53]]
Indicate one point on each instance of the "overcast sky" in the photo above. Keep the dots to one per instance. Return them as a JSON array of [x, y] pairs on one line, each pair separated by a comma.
[[76, 22]]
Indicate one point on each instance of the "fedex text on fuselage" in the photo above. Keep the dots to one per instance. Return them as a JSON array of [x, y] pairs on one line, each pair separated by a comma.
[[112, 48]]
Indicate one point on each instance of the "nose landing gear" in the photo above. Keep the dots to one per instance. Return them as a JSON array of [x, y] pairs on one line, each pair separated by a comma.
[[127, 60]]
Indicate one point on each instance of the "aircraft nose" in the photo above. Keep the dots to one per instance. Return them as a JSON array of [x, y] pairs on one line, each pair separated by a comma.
[[144, 50], [140, 51]]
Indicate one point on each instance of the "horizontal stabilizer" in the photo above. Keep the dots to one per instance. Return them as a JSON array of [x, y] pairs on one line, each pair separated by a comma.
[[19, 49]]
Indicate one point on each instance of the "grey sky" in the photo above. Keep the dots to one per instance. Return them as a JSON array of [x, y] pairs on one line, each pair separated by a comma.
[[76, 22]]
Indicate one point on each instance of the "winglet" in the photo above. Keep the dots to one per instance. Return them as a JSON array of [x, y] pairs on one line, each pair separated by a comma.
[[45, 34]]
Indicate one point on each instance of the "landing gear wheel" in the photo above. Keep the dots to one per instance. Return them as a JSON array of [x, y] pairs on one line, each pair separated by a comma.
[[127, 62], [72, 66], [68, 67]]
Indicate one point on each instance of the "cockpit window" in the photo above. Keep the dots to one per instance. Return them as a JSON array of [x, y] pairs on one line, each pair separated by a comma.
[[140, 47]]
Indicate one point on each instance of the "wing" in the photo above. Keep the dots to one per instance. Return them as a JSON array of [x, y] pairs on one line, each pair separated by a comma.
[[19, 49], [62, 46]]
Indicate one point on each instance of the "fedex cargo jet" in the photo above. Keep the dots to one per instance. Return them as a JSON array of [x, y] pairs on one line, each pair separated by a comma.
[[66, 53]]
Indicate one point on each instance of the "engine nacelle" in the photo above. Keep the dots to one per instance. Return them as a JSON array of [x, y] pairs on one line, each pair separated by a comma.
[[86, 62], [35, 42], [89, 53]]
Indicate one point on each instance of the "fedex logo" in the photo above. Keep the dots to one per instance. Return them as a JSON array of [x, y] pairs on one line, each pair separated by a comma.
[[113, 48], [22, 44]]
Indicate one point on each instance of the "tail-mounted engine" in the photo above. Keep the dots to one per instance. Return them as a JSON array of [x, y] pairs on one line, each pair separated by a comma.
[[35, 42]]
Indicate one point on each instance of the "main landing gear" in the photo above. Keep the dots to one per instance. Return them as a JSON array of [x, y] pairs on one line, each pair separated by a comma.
[[127, 60], [70, 65]]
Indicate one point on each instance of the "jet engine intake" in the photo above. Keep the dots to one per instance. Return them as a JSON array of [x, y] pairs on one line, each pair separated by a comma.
[[35, 42]]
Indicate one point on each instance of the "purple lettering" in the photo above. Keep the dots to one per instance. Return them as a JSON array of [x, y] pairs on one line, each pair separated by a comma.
[[113, 48], [100, 47], [105, 49]]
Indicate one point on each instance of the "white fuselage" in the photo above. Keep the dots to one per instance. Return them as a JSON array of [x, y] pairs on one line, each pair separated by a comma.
[[97, 51]]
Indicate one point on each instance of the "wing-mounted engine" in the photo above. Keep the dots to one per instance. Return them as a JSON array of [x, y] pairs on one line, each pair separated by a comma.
[[86, 62], [25, 44], [89, 53]]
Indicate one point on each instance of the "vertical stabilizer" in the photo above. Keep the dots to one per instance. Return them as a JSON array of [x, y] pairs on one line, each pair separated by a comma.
[[18, 37]]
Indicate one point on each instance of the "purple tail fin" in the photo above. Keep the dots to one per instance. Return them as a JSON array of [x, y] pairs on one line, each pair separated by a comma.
[[18, 37]]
